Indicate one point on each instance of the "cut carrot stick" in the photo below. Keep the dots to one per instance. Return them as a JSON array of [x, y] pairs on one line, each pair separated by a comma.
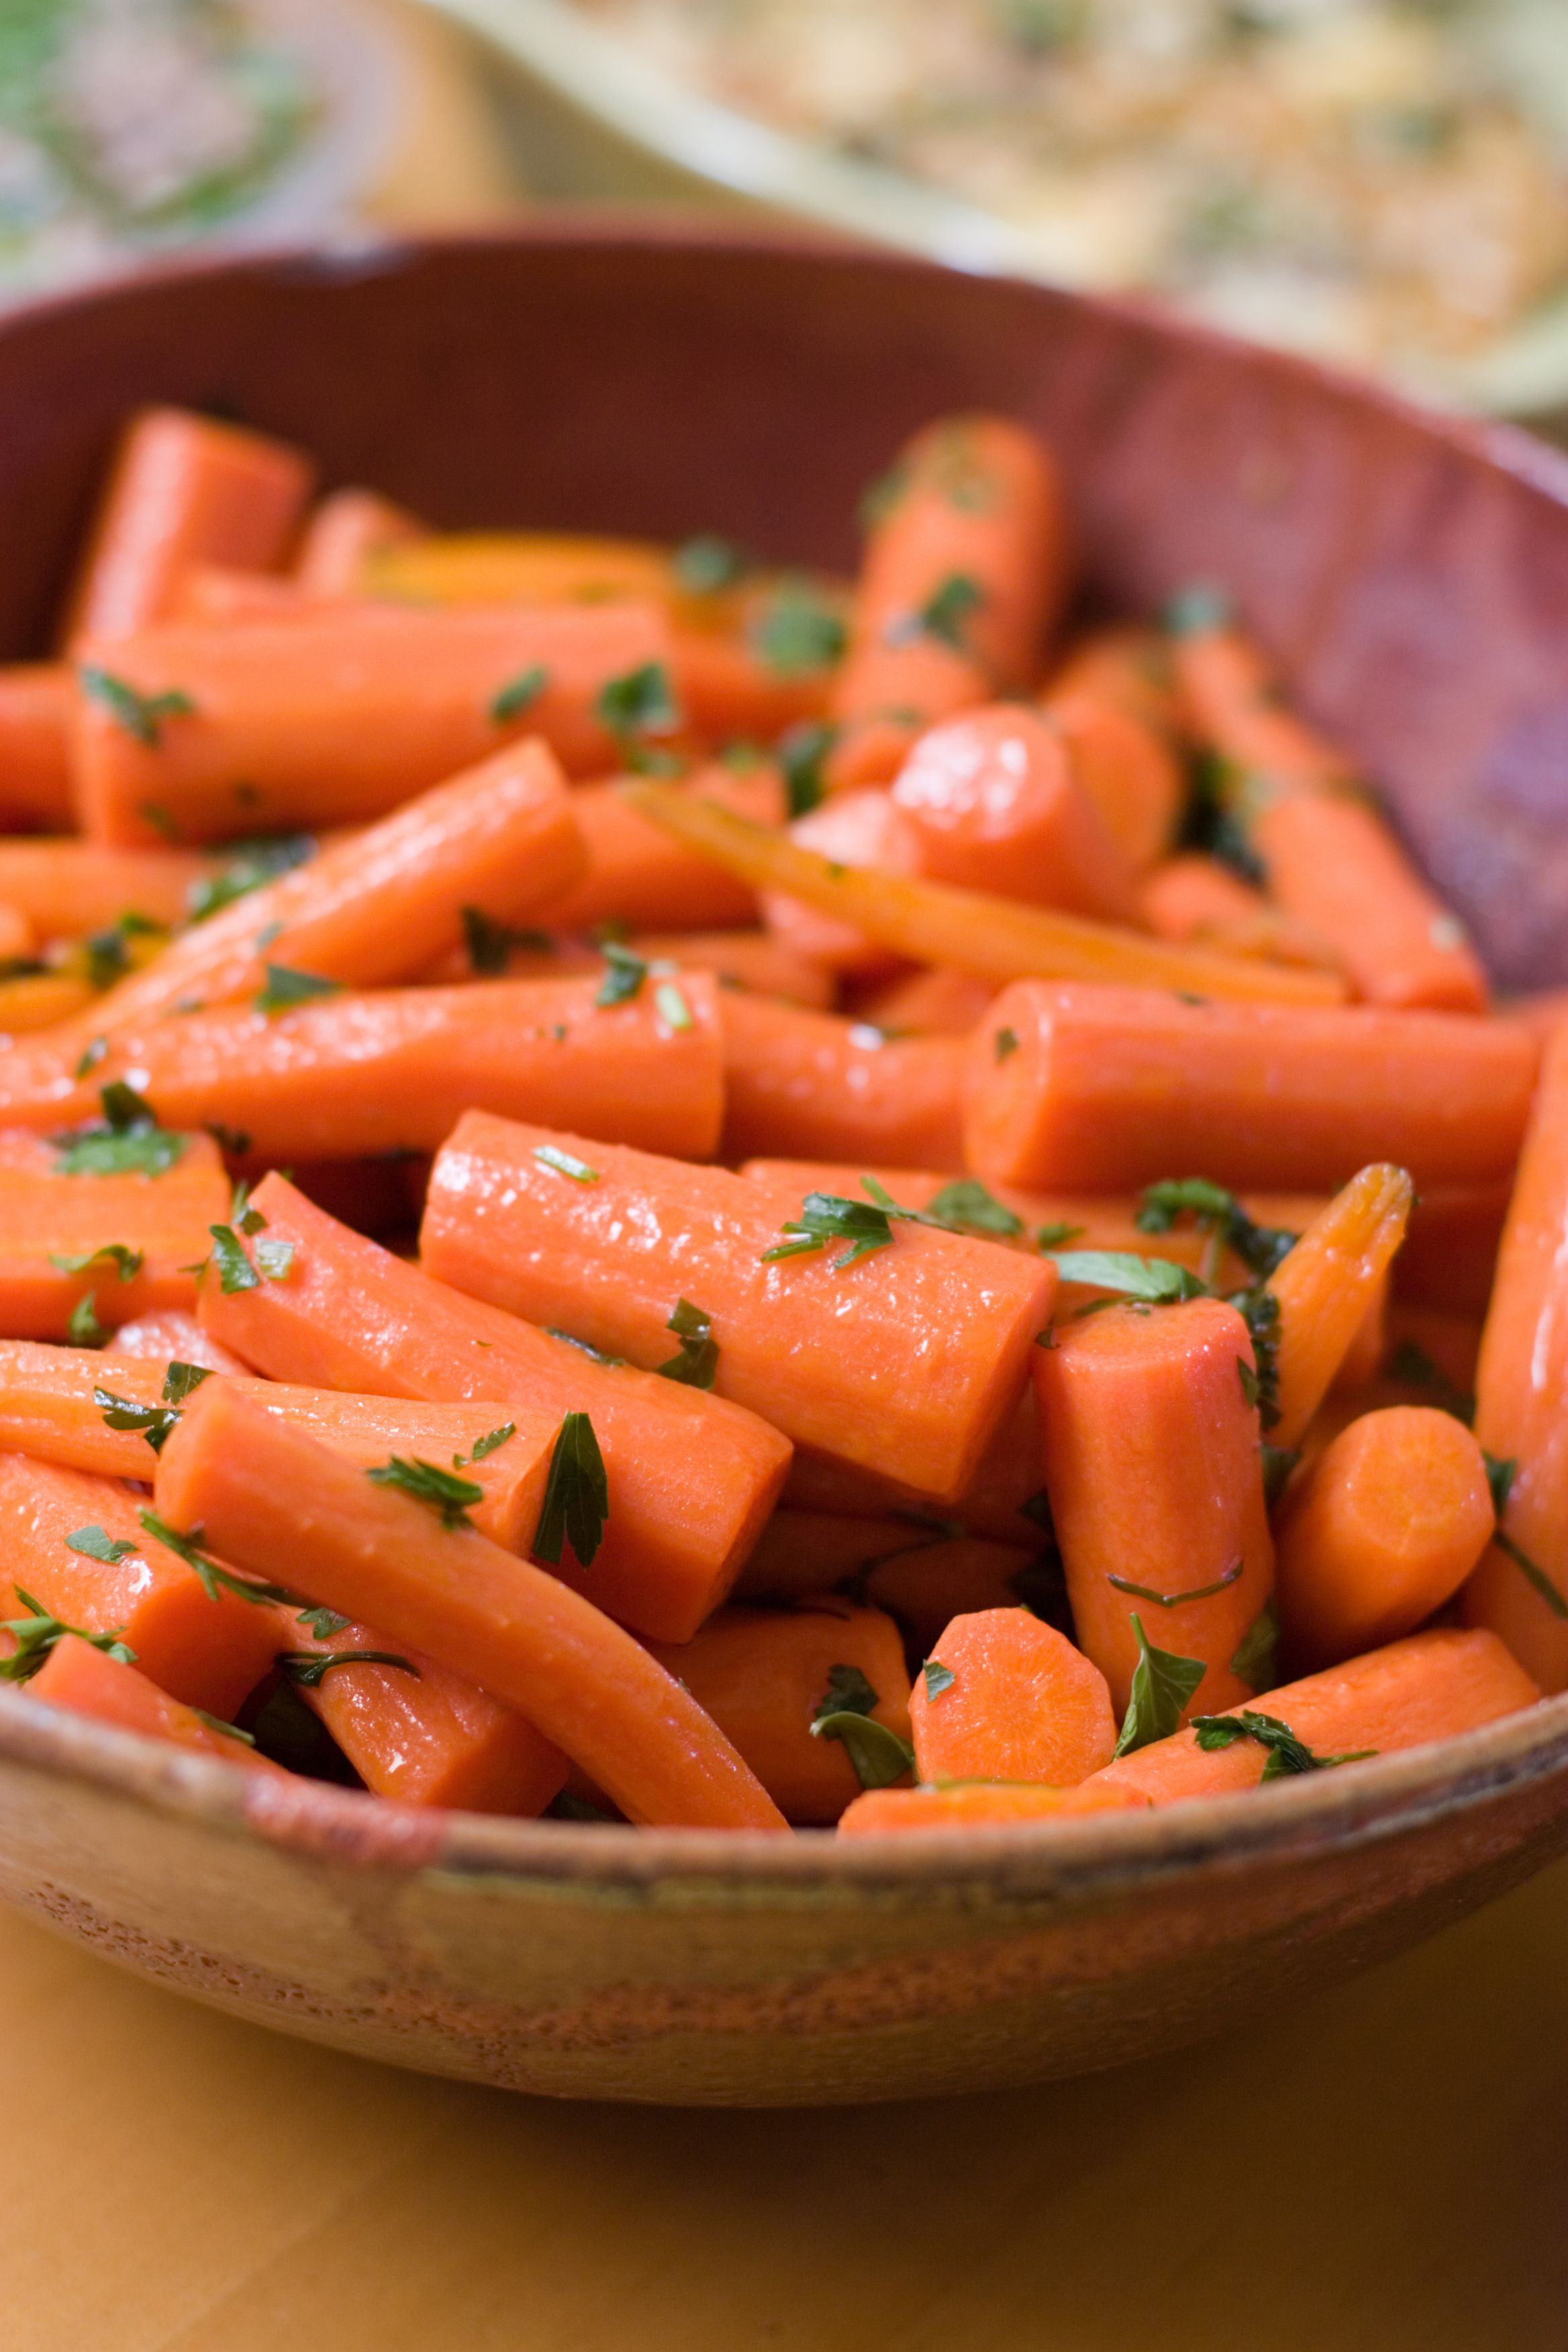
[[964, 574], [908, 1566], [279, 1503], [425, 1737], [821, 1348], [1001, 1501], [1232, 705], [994, 805], [1431, 1687], [17, 936], [640, 874], [1128, 666], [183, 490], [1127, 767], [764, 1674], [1378, 1531], [479, 567], [992, 938], [978, 1805], [1335, 867], [172, 1336], [1327, 1286], [1003, 1697], [215, 596], [732, 692], [339, 1077], [1450, 1253], [1102, 1089], [199, 734], [209, 1652], [862, 829], [924, 1588], [35, 746], [343, 535], [40, 1001], [124, 1242], [85, 1680], [928, 1004], [809, 1084], [747, 959], [692, 1477], [1196, 898], [67, 888]]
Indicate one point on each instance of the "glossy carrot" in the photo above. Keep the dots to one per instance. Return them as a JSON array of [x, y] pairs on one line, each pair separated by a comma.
[[182, 490], [928, 1003], [18, 938], [1103, 1089], [992, 938], [1001, 1502], [35, 747], [964, 574], [1431, 1687], [821, 1349], [172, 1336], [748, 959], [692, 1477], [40, 1001], [1232, 705], [209, 1652], [339, 722], [1150, 1432], [1127, 766], [732, 692], [862, 829], [217, 595], [84, 1680], [1326, 1287], [1196, 898], [67, 888], [978, 1805], [484, 567], [343, 535], [1003, 1697], [809, 1084], [342, 1076], [278, 1503], [763, 1673], [128, 1241], [1128, 666], [994, 805], [640, 874], [423, 1736], [1378, 1531], [919, 1567], [1450, 1253]]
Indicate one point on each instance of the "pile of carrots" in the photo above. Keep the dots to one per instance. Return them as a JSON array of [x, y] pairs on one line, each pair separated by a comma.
[[635, 1186]]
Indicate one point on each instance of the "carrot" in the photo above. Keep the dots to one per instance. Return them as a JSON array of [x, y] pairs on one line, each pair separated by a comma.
[[1336, 868], [977, 1805], [994, 805], [639, 876], [1430, 1686], [763, 1674], [1231, 704], [1002, 1500], [1539, 1011], [928, 1003], [1450, 1252], [1196, 898], [1003, 1697], [217, 595], [862, 829], [964, 574], [76, 1544], [17, 937], [810, 1085], [343, 535], [1326, 1286], [171, 1336], [731, 691], [182, 490], [820, 1347], [1127, 767], [35, 735], [477, 567], [747, 959], [990, 939], [1100, 1089], [417, 1733], [81, 1252], [692, 1477], [67, 888], [1378, 1531], [84, 1680], [921, 1567], [196, 734], [1127, 666], [278, 1503], [41, 1000], [1148, 1428], [336, 1078]]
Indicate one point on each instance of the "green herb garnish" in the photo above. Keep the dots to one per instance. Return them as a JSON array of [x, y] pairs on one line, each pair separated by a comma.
[[520, 694], [585, 1347], [1177, 1599], [797, 631], [305, 1668], [1162, 1682], [624, 974], [800, 751], [426, 1482], [182, 1381], [127, 1262], [673, 1009], [642, 702], [1157, 1280], [490, 943], [96, 1543], [128, 1141], [491, 1443], [36, 1633], [1501, 1475], [1005, 1043], [576, 1495], [284, 989], [706, 563], [943, 615], [697, 1360], [826, 1217], [1287, 1754], [938, 1678], [1262, 1249], [965, 1207], [214, 1579], [1255, 1662], [1410, 1363], [549, 1155], [82, 1327], [251, 866], [156, 1422], [140, 715]]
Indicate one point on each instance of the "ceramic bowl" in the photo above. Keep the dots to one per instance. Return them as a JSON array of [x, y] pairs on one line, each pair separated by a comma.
[[1411, 577]]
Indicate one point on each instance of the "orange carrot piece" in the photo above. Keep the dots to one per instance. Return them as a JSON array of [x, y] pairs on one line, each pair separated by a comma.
[[35, 738], [1127, 666], [639, 876], [172, 1336], [182, 490], [994, 805], [1232, 705], [761, 1674], [995, 1503], [340, 722], [215, 596], [160, 1225], [1127, 767], [1327, 1286], [747, 959], [964, 574], [1003, 1697], [1430, 1686], [1450, 1253], [921, 1575], [85, 1680], [1378, 1531], [862, 829], [731, 692], [821, 1349], [928, 1003], [17, 937], [810, 1085], [343, 535], [278, 1503], [1150, 1438], [992, 938], [692, 1477], [1335, 867], [207, 1653], [1196, 898], [478, 567], [41, 1000], [1103, 1089], [67, 888], [978, 1805]]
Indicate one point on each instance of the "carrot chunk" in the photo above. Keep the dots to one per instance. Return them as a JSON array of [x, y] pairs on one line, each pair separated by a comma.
[[809, 1084], [1003, 1697], [1327, 1287], [80, 1252], [86, 1680], [979, 1805]]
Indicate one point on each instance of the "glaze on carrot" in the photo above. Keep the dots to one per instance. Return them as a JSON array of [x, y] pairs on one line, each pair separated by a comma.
[[122, 1242], [1326, 1287], [810, 1085], [1003, 1697], [638, 875]]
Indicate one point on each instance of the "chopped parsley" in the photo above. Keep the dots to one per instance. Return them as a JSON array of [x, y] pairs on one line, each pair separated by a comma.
[[705, 564], [140, 715], [490, 943], [520, 694], [82, 1327], [127, 1141], [965, 1207], [96, 1543], [938, 1678], [1287, 1754], [36, 1633], [1262, 1249], [156, 1422], [1501, 1475], [576, 1495], [549, 1155], [426, 1482], [251, 866], [127, 1262], [624, 974], [1162, 1682], [1004, 1044], [307, 1668], [943, 615], [797, 631], [284, 989], [800, 751], [182, 1381], [641, 702], [1257, 1653], [1177, 1599], [697, 1361], [491, 1443], [877, 1756], [1156, 1280], [673, 1009]]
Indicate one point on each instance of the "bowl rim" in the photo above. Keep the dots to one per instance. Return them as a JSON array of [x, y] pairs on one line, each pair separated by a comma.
[[1088, 1856]]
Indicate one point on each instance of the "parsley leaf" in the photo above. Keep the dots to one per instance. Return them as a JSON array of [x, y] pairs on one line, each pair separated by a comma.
[[1155, 1280], [576, 1495], [1005, 1043], [214, 1579], [1278, 1462], [797, 631], [706, 563], [549, 1156], [673, 1009], [490, 942], [1175, 1599], [285, 989], [1410, 1363], [877, 1756], [1287, 1754], [800, 753], [182, 1381], [140, 715], [428, 1483], [156, 1422], [944, 615], [491, 1443], [697, 1360], [229, 1730], [520, 694], [322, 1623], [251, 866], [1262, 1249], [96, 1543], [642, 702], [127, 1262], [128, 1141], [847, 1693], [305, 1668], [1501, 1475], [826, 1217], [36, 1633], [938, 1678], [1255, 1663], [965, 1207], [1162, 1682], [274, 1260], [82, 1326], [624, 974], [1259, 1310], [235, 1269], [585, 1347]]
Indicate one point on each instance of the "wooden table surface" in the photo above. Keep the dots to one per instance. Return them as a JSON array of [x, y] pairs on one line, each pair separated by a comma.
[[1382, 2169]]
